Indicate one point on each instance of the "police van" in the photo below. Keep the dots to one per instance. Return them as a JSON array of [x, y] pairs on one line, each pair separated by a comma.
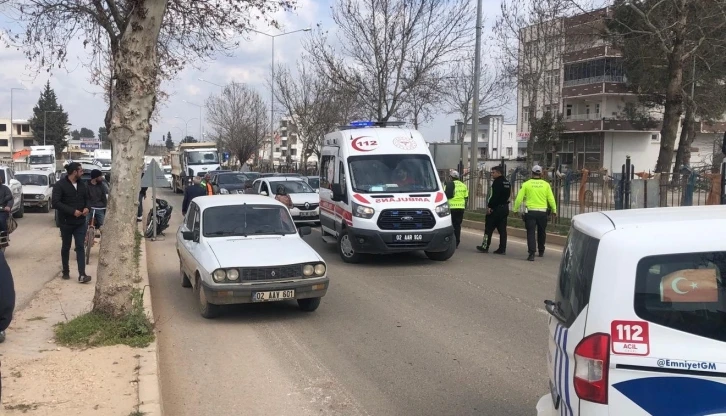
[[380, 193], [638, 323]]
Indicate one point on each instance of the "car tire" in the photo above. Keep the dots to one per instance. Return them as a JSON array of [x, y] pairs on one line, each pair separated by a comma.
[[21, 211], [46, 207], [345, 248], [206, 309], [442, 255], [185, 282], [308, 305]]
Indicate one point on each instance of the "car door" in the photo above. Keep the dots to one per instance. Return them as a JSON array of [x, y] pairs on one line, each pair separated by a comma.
[[185, 255], [264, 187], [327, 176], [195, 252], [49, 188]]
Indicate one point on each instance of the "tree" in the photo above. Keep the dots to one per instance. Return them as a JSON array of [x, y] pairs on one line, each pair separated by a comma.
[[530, 36], [87, 133], [102, 135], [146, 40], [546, 132], [668, 34], [169, 142], [239, 119], [392, 47], [189, 139], [49, 123]]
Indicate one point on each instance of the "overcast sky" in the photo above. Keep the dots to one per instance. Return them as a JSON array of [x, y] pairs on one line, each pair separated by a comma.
[[250, 64]]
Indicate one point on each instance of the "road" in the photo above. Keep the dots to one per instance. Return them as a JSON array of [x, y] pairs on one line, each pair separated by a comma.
[[397, 336]]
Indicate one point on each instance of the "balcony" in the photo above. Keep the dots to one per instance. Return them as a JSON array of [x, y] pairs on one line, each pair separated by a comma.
[[593, 122], [596, 85]]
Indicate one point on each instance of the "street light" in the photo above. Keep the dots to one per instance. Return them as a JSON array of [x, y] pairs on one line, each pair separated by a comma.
[[45, 122], [219, 85], [272, 85], [186, 126], [11, 117], [200, 118]]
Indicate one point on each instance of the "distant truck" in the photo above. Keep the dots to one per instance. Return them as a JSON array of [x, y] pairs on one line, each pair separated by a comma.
[[192, 159], [102, 158], [42, 158]]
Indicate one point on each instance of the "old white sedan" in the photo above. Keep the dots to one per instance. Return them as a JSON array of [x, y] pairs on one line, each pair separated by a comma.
[[245, 248]]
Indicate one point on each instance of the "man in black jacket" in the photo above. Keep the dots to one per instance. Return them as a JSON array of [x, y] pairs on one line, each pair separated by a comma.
[[6, 204], [70, 199], [7, 296], [191, 192], [497, 212], [142, 196], [97, 198]]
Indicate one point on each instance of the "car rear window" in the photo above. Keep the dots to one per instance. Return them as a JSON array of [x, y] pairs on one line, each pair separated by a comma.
[[685, 292], [575, 278]]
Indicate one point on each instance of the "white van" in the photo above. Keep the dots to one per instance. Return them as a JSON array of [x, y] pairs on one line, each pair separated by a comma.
[[379, 194], [638, 323]]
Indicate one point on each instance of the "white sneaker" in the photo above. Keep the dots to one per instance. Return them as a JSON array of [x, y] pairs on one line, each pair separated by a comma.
[[2, 336]]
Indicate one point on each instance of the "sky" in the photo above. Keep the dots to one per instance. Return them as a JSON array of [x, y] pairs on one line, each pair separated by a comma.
[[249, 64]]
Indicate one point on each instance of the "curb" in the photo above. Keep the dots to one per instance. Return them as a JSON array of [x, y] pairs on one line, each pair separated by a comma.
[[149, 383], [555, 239]]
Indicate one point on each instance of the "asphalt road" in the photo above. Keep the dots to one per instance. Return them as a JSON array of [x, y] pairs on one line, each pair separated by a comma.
[[396, 336]]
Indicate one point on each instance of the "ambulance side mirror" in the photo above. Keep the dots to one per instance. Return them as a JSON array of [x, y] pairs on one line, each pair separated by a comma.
[[338, 194]]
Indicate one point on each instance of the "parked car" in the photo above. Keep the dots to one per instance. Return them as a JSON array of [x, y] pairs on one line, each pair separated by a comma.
[[37, 188], [314, 182], [167, 173], [229, 183], [8, 175], [245, 249], [305, 201]]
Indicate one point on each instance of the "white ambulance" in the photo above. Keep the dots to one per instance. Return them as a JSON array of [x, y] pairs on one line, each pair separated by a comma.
[[638, 323], [380, 194]]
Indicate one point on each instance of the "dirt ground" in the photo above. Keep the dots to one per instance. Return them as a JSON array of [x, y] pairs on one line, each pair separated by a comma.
[[41, 378]]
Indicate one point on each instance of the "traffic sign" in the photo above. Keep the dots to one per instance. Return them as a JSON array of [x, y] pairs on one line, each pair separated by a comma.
[[91, 145], [154, 176]]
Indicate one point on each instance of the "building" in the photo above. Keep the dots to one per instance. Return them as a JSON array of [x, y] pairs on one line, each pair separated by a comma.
[[496, 139], [288, 148], [22, 137]]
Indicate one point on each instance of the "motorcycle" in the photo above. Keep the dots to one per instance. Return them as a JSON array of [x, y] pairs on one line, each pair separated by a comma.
[[163, 215]]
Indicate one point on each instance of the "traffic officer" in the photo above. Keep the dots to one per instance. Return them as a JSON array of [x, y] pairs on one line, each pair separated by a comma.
[[539, 198], [458, 195], [497, 212]]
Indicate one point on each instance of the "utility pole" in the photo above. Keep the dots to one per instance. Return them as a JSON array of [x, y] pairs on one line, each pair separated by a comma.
[[474, 152]]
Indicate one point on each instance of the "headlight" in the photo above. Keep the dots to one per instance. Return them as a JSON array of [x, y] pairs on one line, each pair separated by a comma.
[[319, 269], [308, 270], [361, 211], [443, 210], [40, 196], [219, 275], [232, 274], [223, 191]]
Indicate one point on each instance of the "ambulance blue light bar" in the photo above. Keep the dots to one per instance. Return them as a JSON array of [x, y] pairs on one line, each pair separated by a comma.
[[362, 123]]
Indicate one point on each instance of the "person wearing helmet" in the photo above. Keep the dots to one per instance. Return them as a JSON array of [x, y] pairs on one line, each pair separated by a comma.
[[539, 199], [458, 195], [282, 196]]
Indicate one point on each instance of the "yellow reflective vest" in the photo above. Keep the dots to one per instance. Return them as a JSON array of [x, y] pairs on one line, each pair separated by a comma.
[[461, 194], [538, 194]]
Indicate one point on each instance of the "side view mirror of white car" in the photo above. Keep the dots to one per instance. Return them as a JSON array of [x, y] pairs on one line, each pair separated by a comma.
[[304, 231], [188, 235], [263, 193]]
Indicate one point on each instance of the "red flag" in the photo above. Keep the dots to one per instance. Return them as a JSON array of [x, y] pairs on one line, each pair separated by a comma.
[[690, 285]]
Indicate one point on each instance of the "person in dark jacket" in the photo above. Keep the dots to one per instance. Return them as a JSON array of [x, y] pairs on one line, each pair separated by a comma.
[[6, 205], [70, 199], [97, 198], [497, 212], [191, 192], [142, 196], [7, 296], [249, 188]]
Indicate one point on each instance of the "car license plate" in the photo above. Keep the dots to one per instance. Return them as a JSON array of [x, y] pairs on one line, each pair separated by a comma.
[[307, 213], [408, 237], [273, 296]]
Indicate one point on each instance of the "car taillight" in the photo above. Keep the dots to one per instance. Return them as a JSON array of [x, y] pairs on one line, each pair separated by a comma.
[[592, 361]]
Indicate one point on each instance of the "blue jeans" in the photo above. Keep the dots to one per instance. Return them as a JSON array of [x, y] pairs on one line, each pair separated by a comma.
[[98, 219], [68, 234], [4, 221]]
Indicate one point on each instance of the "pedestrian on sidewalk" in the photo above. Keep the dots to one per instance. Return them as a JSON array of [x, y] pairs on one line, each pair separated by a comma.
[[6, 205], [70, 199], [458, 195], [497, 212], [539, 199], [191, 192], [142, 196], [97, 199]]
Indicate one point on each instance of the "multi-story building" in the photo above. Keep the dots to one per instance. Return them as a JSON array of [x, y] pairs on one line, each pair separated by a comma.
[[22, 137], [496, 139], [288, 148]]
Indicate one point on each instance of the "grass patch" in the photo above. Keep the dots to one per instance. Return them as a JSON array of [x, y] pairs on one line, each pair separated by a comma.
[[561, 228], [94, 329], [22, 407], [138, 238], [137, 413], [36, 318]]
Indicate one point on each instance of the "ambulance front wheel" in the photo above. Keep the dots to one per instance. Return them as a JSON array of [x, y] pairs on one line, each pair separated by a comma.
[[345, 248], [442, 255]]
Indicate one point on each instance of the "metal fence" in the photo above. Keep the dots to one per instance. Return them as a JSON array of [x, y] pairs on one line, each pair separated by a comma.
[[578, 192]]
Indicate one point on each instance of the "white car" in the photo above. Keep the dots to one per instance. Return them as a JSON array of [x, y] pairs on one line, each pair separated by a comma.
[[638, 323], [8, 175], [245, 248], [167, 173], [305, 201], [37, 188]]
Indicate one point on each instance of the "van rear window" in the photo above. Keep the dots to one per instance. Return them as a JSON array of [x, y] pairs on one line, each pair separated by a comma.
[[685, 292], [575, 278]]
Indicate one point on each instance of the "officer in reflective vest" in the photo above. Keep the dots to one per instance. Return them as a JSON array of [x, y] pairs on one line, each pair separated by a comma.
[[539, 200], [458, 195]]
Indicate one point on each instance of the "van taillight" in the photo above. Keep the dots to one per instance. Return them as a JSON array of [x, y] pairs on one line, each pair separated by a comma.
[[592, 359]]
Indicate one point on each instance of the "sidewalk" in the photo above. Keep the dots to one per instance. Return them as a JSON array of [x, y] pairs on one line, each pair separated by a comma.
[[39, 377]]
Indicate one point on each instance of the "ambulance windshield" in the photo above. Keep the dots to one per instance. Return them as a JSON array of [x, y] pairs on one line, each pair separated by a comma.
[[400, 173]]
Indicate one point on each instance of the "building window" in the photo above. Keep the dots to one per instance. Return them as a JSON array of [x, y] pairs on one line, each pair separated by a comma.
[[3, 127], [284, 153], [525, 114], [597, 70], [4, 142], [25, 128], [28, 142], [509, 151], [568, 111], [293, 152]]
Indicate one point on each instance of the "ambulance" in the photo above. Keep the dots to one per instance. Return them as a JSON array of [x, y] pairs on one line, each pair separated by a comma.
[[638, 323], [380, 193]]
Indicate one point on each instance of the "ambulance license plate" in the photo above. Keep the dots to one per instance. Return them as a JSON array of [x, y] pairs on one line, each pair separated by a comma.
[[407, 237], [273, 296]]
